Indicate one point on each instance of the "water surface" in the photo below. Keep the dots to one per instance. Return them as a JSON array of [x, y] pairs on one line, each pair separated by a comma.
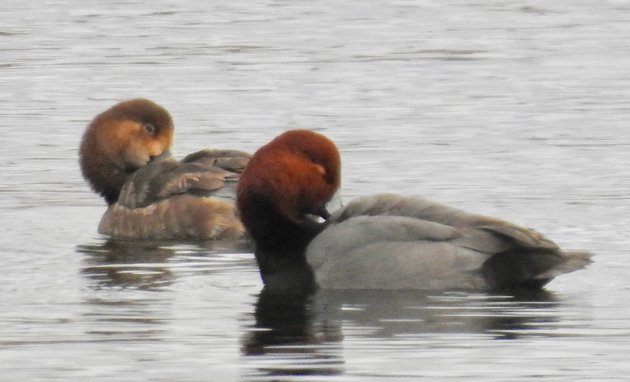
[[517, 110]]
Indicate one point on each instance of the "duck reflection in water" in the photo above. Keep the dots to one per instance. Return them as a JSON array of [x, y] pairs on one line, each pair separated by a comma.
[[285, 328], [145, 264], [118, 263], [310, 329]]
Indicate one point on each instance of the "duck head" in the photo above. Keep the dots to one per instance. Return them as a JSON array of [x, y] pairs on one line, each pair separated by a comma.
[[285, 183], [121, 140]]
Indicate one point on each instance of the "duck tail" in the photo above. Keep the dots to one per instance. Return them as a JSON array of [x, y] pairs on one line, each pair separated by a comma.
[[573, 261], [531, 268]]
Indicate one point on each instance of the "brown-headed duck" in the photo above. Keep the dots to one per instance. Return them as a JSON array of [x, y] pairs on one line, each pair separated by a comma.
[[125, 157], [381, 241]]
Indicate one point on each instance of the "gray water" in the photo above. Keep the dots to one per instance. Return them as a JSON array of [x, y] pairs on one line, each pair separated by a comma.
[[514, 109]]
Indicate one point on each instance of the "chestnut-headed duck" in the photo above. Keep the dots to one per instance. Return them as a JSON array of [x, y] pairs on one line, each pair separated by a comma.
[[381, 241], [125, 157]]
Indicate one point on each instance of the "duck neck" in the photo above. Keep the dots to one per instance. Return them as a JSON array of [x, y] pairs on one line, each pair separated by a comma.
[[106, 178], [109, 183], [281, 249], [284, 268]]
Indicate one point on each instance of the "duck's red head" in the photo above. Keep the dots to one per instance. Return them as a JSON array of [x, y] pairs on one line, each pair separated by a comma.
[[122, 139], [287, 180]]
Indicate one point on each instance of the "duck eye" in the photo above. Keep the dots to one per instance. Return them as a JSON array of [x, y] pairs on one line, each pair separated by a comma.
[[149, 128]]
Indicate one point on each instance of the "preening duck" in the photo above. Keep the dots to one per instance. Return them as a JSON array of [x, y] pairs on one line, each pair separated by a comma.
[[383, 241], [125, 157]]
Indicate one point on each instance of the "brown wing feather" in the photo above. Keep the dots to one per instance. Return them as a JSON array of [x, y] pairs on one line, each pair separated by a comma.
[[204, 173], [229, 160]]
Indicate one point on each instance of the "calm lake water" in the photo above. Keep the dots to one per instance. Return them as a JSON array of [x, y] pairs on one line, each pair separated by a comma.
[[514, 109]]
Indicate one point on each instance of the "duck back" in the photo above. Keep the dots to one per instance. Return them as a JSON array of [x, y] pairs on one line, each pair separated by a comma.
[[168, 199], [393, 242]]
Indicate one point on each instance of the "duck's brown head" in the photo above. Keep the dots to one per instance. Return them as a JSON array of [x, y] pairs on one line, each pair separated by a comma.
[[285, 182], [121, 140]]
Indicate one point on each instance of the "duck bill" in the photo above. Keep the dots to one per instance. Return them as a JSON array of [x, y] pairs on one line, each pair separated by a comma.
[[334, 204], [323, 212], [166, 154]]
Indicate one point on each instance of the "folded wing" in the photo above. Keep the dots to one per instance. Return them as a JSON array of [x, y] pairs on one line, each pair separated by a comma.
[[431, 246], [209, 173]]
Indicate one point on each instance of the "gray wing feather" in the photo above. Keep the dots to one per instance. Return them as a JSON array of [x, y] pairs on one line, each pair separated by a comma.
[[425, 209], [430, 245]]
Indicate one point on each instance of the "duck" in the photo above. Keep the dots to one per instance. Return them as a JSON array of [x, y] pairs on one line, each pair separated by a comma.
[[125, 156], [381, 241]]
